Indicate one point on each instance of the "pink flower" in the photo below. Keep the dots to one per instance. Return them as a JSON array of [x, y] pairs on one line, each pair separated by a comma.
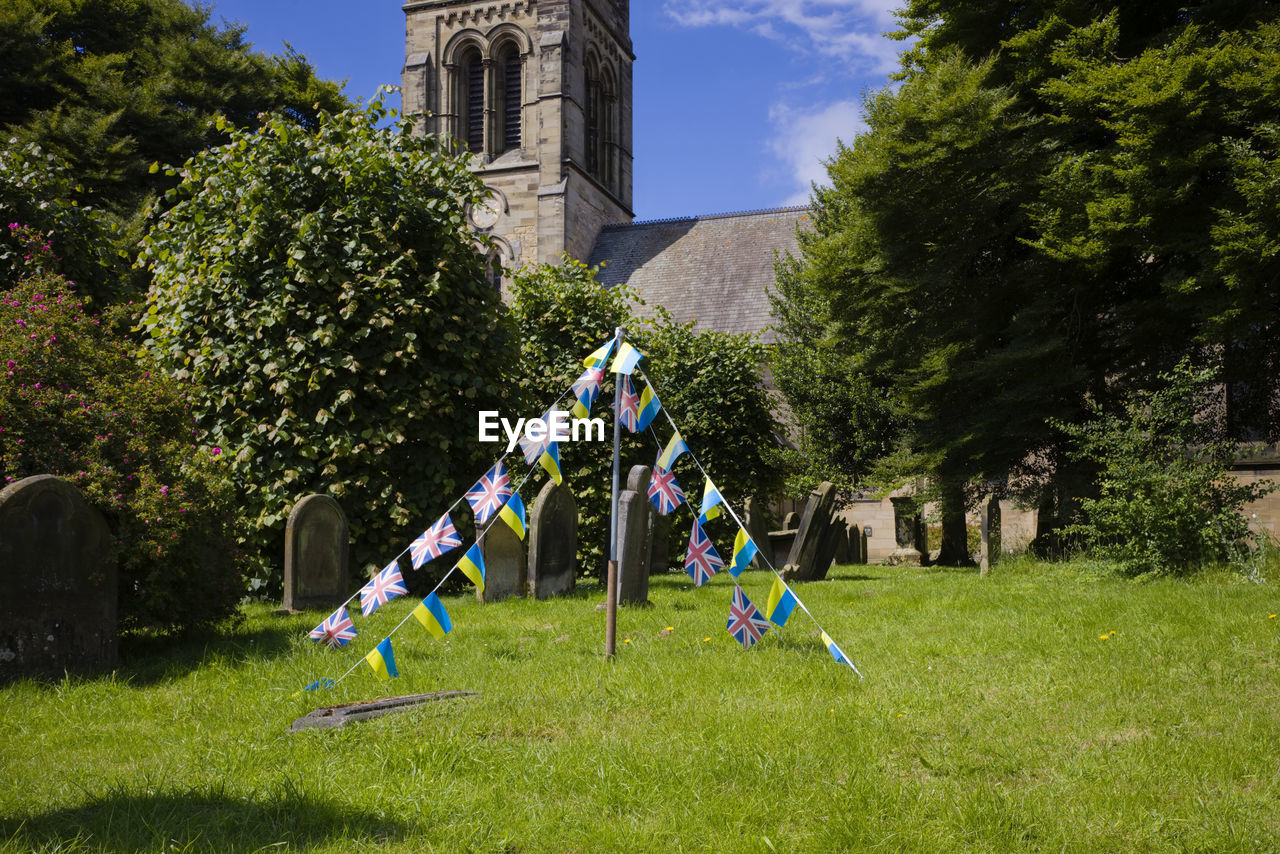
[[217, 451]]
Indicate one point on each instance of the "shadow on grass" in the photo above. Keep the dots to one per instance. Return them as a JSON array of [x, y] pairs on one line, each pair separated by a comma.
[[147, 660], [215, 821]]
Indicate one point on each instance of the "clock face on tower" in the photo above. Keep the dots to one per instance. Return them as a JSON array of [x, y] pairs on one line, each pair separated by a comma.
[[484, 216]]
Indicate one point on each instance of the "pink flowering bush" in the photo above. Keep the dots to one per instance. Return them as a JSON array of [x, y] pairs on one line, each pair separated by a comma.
[[76, 402]]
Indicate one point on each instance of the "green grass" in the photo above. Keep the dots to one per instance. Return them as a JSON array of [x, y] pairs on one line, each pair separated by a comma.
[[994, 717]]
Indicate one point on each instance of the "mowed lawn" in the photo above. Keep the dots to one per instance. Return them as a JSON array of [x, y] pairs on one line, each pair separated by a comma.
[[1045, 708]]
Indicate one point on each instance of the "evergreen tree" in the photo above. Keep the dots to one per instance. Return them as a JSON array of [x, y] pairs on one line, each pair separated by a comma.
[[1059, 201]]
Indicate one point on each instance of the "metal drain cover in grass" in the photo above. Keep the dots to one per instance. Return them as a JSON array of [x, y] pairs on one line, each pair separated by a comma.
[[330, 717]]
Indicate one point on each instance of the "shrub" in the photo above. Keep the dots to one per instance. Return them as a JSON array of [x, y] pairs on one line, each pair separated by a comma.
[[323, 291], [710, 381], [1166, 501], [75, 402]]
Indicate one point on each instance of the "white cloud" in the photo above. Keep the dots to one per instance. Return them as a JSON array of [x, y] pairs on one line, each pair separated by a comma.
[[804, 140], [847, 29]]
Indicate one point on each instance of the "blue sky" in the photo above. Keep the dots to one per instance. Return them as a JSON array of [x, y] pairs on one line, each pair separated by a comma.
[[737, 102]]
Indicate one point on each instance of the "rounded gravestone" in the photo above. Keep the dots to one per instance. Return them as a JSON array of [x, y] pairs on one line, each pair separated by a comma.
[[553, 542], [316, 555], [634, 510], [57, 582]]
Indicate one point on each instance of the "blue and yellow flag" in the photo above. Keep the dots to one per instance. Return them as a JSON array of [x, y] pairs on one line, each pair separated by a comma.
[[649, 407], [601, 356], [550, 460], [472, 563], [672, 452], [780, 604], [434, 617], [626, 360], [711, 500], [744, 549], [513, 515], [383, 660], [835, 651]]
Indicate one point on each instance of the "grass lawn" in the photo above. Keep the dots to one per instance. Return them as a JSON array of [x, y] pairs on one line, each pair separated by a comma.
[[1043, 708]]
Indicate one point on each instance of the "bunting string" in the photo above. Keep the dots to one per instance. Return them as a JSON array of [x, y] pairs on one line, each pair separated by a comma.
[[760, 553]]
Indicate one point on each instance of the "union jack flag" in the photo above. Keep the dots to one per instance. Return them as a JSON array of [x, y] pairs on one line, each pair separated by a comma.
[[336, 630], [534, 449], [702, 560], [745, 622], [439, 538], [587, 387], [382, 588], [489, 493], [664, 492], [628, 405]]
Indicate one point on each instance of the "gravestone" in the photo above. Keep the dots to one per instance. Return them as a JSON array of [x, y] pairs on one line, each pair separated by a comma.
[[634, 511], [756, 517], [990, 522], [57, 582], [906, 531], [506, 573], [815, 544], [553, 542], [659, 542], [791, 521], [316, 555]]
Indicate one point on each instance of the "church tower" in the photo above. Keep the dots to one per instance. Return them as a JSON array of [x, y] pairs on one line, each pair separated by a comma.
[[539, 91]]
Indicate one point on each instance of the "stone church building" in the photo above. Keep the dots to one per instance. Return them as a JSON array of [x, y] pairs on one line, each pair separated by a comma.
[[540, 91]]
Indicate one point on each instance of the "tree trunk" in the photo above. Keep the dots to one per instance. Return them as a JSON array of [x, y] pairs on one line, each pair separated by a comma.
[[955, 531]]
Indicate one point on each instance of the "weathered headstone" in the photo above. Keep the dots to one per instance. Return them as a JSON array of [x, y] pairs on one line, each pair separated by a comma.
[[791, 521], [57, 582], [553, 542], [906, 531], [815, 544], [659, 542], [506, 572], [756, 516], [316, 555], [634, 510]]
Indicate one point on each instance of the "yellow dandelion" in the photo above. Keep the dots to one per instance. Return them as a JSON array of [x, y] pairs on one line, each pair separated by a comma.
[[626, 640], [1103, 637], [671, 628], [706, 640], [1113, 632], [1272, 617]]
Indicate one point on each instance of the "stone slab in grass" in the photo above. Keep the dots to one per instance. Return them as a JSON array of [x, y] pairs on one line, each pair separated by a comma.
[[332, 717]]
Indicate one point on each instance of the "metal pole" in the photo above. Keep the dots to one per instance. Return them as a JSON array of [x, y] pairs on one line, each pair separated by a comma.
[[611, 580]]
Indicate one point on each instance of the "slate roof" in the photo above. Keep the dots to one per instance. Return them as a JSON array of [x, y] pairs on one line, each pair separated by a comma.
[[713, 269]]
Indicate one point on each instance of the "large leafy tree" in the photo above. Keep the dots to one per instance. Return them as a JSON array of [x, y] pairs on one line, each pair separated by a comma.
[[1060, 200], [323, 292], [109, 87]]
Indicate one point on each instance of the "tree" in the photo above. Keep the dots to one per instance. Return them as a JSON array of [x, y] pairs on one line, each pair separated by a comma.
[[76, 402], [1061, 200], [111, 86], [323, 291], [1167, 502], [709, 381]]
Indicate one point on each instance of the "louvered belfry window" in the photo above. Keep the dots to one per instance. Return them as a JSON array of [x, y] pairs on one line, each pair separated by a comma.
[[511, 71], [473, 80]]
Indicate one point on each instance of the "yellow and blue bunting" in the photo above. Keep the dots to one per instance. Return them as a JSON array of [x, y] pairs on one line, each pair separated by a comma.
[[550, 460], [383, 661], [780, 604], [744, 549], [433, 616], [472, 563], [672, 452], [711, 501], [513, 515], [600, 356], [626, 360], [649, 407]]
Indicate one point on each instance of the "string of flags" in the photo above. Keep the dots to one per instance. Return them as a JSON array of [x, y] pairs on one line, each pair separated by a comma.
[[493, 499]]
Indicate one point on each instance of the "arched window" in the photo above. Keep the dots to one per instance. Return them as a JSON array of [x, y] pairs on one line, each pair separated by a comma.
[[608, 130], [510, 68], [594, 117], [471, 100]]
